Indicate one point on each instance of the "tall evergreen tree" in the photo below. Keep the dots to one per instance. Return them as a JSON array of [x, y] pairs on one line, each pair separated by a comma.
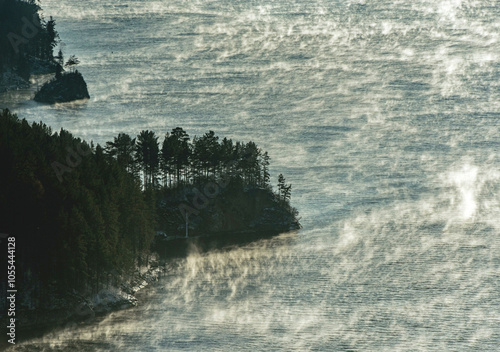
[[60, 63], [122, 148], [181, 151], [148, 156], [265, 170], [167, 159], [284, 190], [51, 41]]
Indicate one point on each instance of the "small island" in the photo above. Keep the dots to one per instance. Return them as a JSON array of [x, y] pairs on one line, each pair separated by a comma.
[[63, 88], [88, 218]]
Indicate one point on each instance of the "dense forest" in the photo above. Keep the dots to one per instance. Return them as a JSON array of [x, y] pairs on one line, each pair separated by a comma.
[[85, 216], [27, 39], [78, 233]]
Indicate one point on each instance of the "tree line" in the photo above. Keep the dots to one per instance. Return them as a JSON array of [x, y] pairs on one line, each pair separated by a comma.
[[85, 216], [178, 160]]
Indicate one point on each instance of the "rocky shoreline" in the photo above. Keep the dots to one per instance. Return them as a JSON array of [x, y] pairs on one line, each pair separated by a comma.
[[9, 80]]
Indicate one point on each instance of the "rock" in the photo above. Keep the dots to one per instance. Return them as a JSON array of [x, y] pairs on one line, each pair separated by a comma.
[[68, 87], [9, 80]]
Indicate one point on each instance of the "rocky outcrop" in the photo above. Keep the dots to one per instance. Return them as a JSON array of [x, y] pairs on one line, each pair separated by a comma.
[[68, 87], [9, 80]]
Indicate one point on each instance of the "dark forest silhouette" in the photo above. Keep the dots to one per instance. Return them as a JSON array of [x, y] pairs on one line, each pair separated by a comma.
[[84, 216], [25, 37]]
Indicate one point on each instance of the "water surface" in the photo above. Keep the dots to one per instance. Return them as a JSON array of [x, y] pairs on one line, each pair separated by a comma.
[[384, 115]]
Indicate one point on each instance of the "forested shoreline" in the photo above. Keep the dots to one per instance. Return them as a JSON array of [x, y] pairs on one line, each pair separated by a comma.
[[27, 40], [27, 44], [85, 216]]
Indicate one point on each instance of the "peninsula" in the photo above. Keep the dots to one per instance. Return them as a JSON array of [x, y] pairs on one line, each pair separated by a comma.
[[86, 217]]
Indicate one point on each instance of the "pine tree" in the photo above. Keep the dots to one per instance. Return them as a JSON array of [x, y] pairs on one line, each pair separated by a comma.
[[122, 149], [147, 155], [167, 160], [265, 170], [287, 193], [52, 37], [72, 61], [181, 151], [281, 185], [60, 63]]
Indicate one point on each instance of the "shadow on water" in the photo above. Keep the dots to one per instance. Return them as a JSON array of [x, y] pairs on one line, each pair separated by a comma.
[[181, 247]]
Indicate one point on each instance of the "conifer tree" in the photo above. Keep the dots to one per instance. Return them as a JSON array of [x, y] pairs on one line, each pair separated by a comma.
[[167, 157], [281, 185], [147, 155], [181, 151], [284, 190], [72, 61], [60, 63], [265, 170], [122, 149]]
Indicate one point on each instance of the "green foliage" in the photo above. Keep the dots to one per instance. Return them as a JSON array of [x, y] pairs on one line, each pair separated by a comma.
[[85, 225], [208, 158], [123, 149], [95, 225], [284, 190], [148, 156], [72, 61]]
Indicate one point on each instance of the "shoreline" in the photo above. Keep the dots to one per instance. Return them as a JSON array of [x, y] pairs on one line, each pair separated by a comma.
[[76, 310], [73, 310], [9, 81], [88, 261]]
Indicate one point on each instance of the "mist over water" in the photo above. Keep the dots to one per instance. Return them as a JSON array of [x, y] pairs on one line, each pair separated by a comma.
[[384, 115]]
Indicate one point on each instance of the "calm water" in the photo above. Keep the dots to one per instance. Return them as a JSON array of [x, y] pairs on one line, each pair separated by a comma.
[[384, 115]]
